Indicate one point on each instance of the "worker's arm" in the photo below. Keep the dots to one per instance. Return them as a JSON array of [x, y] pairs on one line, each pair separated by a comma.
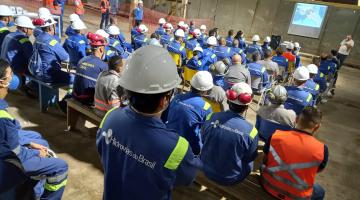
[[187, 169], [59, 51], [326, 158], [253, 140]]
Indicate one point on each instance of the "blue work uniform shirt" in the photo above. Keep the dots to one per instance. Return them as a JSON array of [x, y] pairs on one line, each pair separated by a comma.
[[177, 48], [312, 87], [87, 72], [160, 31], [211, 57], [229, 41], [281, 61], [191, 44], [4, 30], [75, 45], [116, 45], [138, 151], [140, 41], [166, 39], [52, 54], [257, 70], [265, 47], [298, 99], [138, 13], [230, 147], [327, 67], [297, 61], [202, 40], [219, 80], [223, 52], [17, 50], [70, 31], [252, 49], [198, 62], [187, 113], [242, 44], [321, 80]]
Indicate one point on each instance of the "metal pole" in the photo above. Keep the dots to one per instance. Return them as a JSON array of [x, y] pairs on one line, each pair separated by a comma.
[[185, 8]]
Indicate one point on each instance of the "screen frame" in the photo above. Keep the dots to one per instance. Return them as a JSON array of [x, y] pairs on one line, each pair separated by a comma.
[[307, 31]]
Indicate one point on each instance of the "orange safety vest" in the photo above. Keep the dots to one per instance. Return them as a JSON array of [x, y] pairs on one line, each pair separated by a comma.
[[79, 7], [292, 163], [54, 9], [104, 5]]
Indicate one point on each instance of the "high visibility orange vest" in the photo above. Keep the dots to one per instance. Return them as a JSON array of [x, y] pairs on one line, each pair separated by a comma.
[[292, 163], [54, 9], [104, 5], [79, 7]]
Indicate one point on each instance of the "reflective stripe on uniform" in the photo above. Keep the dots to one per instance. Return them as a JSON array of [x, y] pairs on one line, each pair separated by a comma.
[[109, 52], [206, 106], [56, 179], [317, 87], [264, 181], [5, 114], [16, 150], [3, 29], [106, 115], [228, 50], [178, 154], [309, 98], [199, 62], [208, 117], [55, 187], [53, 42], [213, 56], [253, 133], [263, 70], [81, 42], [23, 40], [181, 48], [321, 75], [115, 43]]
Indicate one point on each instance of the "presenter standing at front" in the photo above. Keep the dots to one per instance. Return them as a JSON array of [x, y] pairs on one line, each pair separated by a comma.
[[345, 47]]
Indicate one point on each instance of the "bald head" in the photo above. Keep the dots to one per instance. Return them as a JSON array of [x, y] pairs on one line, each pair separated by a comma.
[[236, 59]]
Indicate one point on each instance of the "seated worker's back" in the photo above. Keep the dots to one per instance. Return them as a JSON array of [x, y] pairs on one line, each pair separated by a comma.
[[108, 92], [230, 142], [88, 71]]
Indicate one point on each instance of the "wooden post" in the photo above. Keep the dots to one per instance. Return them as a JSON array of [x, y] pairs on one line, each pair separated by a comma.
[[185, 7], [131, 17]]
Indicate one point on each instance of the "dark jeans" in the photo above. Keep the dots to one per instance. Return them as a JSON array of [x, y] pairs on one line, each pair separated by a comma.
[[104, 18], [318, 192], [341, 58]]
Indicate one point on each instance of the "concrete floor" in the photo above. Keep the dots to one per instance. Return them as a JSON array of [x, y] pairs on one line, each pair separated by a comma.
[[340, 131]]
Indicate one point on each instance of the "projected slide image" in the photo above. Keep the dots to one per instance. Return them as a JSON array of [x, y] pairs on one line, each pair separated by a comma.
[[309, 15]]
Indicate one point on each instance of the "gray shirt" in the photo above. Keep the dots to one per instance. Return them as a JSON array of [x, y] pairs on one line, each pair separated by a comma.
[[272, 67], [238, 73], [277, 113], [108, 92]]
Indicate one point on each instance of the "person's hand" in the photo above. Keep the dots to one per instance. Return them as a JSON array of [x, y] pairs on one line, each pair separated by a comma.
[[37, 146], [43, 153]]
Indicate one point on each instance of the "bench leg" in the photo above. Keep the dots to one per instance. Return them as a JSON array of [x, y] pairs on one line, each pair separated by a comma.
[[72, 118], [47, 96]]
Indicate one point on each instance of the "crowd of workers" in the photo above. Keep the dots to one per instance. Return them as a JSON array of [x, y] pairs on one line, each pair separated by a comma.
[[156, 135]]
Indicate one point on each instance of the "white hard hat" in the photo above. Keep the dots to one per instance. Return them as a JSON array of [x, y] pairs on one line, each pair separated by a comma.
[[202, 81], [43, 12], [180, 33], [102, 33], [313, 69], [73, 17], [162, 21], [78, 25], [6, 11], [197, 32], [143, 28], [114, 30], [198, 48], [203, 27], [181, 23], [212, 41], [290, 45], [301, 74], [154, 69], [140, 1], [24, 21], [240, 94], [255, 38], [278, 95], [267, 39], [297, 45], [49, 21]]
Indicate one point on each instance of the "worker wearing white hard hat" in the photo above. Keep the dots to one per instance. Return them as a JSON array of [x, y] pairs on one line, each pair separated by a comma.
[[115, 45], [231, 130], [6, 15], [161, 30], [203, 37], [177, 50], [296, 52], [209, 52], [16, 47], [310, 85], [141, 39], [266, 44], [72, 18], [298, 97], [289, 55], [192, 42], [276, 111], [198, 62], [254, 49], [76, 43], [187, 112], [166, 38]]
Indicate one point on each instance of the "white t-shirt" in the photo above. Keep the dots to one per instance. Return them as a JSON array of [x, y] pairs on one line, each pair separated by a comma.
[[343, 48]]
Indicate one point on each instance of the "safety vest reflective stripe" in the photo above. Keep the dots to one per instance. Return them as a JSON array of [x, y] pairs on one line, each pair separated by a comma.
[[300, 184], [3, 29], [206, 106], [317, 87], [101, 105], [53, 42], [253, 133], [321, 75], [23, 40], [273, 187], [85, 76], [106, 115], [55, 187], [178, 154]]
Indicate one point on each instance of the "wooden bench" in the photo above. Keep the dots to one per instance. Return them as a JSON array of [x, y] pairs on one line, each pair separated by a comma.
[[48, 93], [249, 188], [75, 110]]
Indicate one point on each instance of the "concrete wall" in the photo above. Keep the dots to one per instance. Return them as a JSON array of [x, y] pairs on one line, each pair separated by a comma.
[[267, 17]]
